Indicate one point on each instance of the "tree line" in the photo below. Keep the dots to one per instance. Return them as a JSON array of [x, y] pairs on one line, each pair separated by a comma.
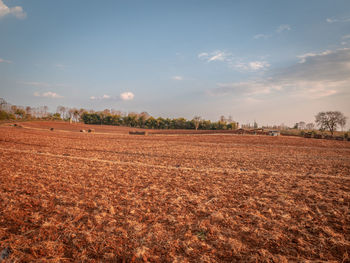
[[329, 120], [144, 120]]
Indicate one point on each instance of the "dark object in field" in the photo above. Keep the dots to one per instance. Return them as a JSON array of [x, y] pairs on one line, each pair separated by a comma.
[[82, 131], [51, 129], [339, 138], [5, 253], [138, 133], [91, 130], [328, 137], [318, 136], [308, 135]]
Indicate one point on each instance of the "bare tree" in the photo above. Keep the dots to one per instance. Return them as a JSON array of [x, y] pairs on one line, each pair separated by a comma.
[[330, 120]]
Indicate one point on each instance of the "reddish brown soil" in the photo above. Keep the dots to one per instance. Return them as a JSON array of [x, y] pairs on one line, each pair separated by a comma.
[[111, 197]]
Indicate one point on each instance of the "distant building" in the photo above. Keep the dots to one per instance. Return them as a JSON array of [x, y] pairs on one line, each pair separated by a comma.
[[274, 133]]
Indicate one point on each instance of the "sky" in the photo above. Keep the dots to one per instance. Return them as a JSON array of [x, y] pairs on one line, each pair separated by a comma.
[[270, 61]]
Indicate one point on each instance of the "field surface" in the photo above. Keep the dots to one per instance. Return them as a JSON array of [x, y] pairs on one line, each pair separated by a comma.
[[107, 196]]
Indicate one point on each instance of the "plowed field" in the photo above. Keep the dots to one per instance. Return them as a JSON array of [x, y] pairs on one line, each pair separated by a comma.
[[107, 196]]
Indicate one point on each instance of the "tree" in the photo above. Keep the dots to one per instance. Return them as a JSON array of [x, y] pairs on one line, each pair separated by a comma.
[[310, 126], [330, 120], [196, 120], [301, 125]]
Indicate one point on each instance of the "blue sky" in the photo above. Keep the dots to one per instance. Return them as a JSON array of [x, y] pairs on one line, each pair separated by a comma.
[[270, 61]]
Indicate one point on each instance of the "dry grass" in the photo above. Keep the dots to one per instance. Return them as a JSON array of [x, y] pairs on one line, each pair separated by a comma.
[[111, 197]]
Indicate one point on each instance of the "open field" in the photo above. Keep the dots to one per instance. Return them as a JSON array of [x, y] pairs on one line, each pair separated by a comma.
[[112, 197]]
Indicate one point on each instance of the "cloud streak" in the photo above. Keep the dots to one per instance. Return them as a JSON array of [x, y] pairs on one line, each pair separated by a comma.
[[5, 61], [282, 28], [42, 84], [337, 20], [16, 11], [48, 94]]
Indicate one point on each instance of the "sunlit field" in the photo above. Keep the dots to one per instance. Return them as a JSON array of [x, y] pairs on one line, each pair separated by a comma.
[[109, 196]]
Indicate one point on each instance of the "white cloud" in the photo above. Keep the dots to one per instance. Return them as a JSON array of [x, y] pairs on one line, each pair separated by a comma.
[[258, 36], [177, 78], [282, 28], [16, 11], [4, 60], [48, 94], [127, 95]]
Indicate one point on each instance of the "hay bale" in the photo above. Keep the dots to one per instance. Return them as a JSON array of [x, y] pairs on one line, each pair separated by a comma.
[[138, 132], [91, 130]]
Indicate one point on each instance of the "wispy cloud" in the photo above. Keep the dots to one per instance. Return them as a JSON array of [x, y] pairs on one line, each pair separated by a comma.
[[123, 96], [233, 62], [42, 84], [251, 66], [16, 11], [61, 66], [104, 97], [5, 61], [339, 20], [217, 55], [282, 28], [318, 75], [279, 30], [48, 94], [308, 55], [177, 78], [259, 36]]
